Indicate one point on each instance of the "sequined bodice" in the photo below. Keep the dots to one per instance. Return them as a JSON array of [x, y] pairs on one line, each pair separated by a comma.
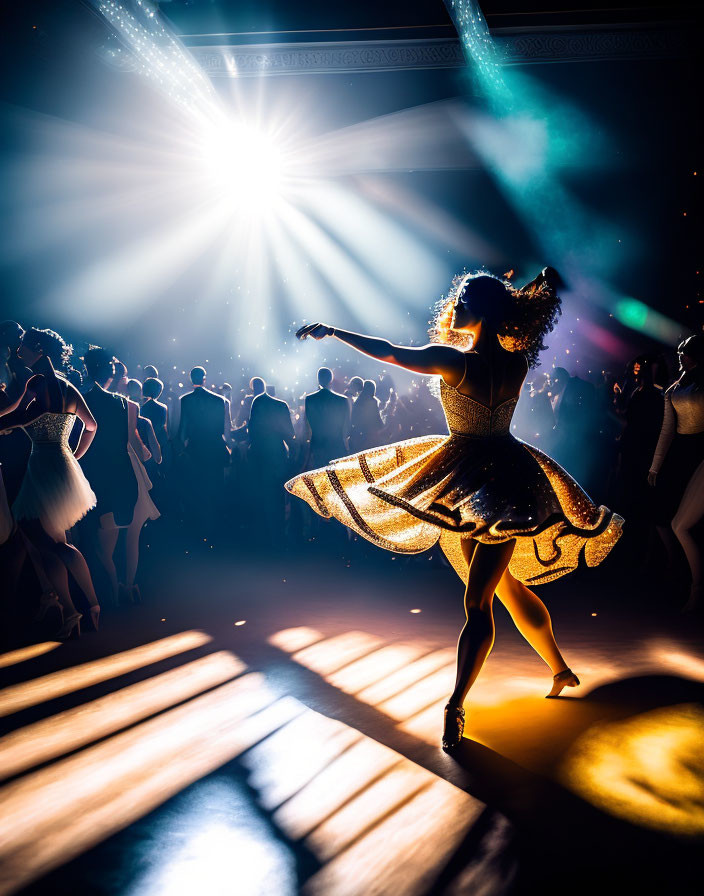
[[50, 429], [688, 402], [468, 417]]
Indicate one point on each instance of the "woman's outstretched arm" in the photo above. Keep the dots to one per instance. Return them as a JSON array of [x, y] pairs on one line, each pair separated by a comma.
[[433, 360]]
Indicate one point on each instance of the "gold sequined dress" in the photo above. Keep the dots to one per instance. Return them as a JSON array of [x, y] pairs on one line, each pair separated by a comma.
[[54, 489], [479, 482]]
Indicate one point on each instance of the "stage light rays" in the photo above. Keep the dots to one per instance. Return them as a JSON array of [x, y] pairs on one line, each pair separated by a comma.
[[159, 56], [304, 224], [420, 138], [526, 137], [134, 214], [129, 277], [402, 266], [427, 218], [353, 286]]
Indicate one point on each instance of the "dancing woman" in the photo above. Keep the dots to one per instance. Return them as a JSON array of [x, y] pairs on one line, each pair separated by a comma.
[[505, 514], [677, 470], [54, 494]]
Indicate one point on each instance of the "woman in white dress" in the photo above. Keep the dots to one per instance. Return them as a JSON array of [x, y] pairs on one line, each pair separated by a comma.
[[54, 494]]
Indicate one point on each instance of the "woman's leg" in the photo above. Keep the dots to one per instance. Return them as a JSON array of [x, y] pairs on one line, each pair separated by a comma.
[[531, 618], [689, 514], [486, 566], [36, 558], [34, 533], [75, 563], [108, 534], [134, 530]]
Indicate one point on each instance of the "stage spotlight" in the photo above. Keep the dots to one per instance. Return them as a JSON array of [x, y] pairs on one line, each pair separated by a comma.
[[243, 164]]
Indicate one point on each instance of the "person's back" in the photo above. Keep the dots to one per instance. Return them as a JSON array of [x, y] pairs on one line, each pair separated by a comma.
[[366, 418], [158, 414], [270, 429], [328, 416], [110, 412], [107, 460], [202, 419]]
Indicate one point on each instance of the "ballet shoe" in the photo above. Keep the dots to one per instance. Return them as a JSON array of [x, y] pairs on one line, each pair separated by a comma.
[[71, 627], [453, 727], [124, 595], [564, 679], [136, 595]]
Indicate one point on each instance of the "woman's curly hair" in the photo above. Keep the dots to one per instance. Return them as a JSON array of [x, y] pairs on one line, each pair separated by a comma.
[[50, 344], [522, 317]]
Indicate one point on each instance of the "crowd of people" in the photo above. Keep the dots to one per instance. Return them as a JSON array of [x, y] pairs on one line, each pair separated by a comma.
[[91, 451]]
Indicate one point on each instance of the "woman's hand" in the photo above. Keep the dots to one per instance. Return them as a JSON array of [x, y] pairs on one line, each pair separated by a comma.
[[317, 331], [552, 278], [652, 478]]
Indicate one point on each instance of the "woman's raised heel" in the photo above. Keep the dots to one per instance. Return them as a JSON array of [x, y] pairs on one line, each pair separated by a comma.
[[566, 679]]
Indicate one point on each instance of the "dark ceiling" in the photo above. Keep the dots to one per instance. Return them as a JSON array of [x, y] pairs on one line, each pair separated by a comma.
[[207, 16]]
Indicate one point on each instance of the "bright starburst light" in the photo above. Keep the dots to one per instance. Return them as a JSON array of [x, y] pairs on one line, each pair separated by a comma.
[[244, 165], [244, 215]]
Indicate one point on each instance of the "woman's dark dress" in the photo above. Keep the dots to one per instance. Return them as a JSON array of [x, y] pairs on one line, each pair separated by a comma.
[[107, 464]]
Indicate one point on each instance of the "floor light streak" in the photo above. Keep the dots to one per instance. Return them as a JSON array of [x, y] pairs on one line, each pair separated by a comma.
[[52, 815], [67, 731], [66, 681], [334, 653], [27, 653]]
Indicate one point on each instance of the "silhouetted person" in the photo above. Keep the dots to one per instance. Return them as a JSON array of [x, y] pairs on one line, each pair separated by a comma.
[[643, 412], [677, 468], [204, 427], [328, 417], [119, 381], [354, 387], [155, 410], [107, 463], [15, 446], [271, 438], [245, 407], [573, 404], [366, 418]]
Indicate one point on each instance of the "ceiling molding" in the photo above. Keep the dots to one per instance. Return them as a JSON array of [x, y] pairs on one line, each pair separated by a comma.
[[538, 46]]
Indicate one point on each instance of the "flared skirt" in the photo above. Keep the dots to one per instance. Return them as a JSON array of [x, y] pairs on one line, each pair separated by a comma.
[[54, 489], [408, 496]]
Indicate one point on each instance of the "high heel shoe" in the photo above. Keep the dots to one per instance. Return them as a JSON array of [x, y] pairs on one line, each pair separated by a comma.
[[71, 627], [453, 728], [564, 679], [94, 617]]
